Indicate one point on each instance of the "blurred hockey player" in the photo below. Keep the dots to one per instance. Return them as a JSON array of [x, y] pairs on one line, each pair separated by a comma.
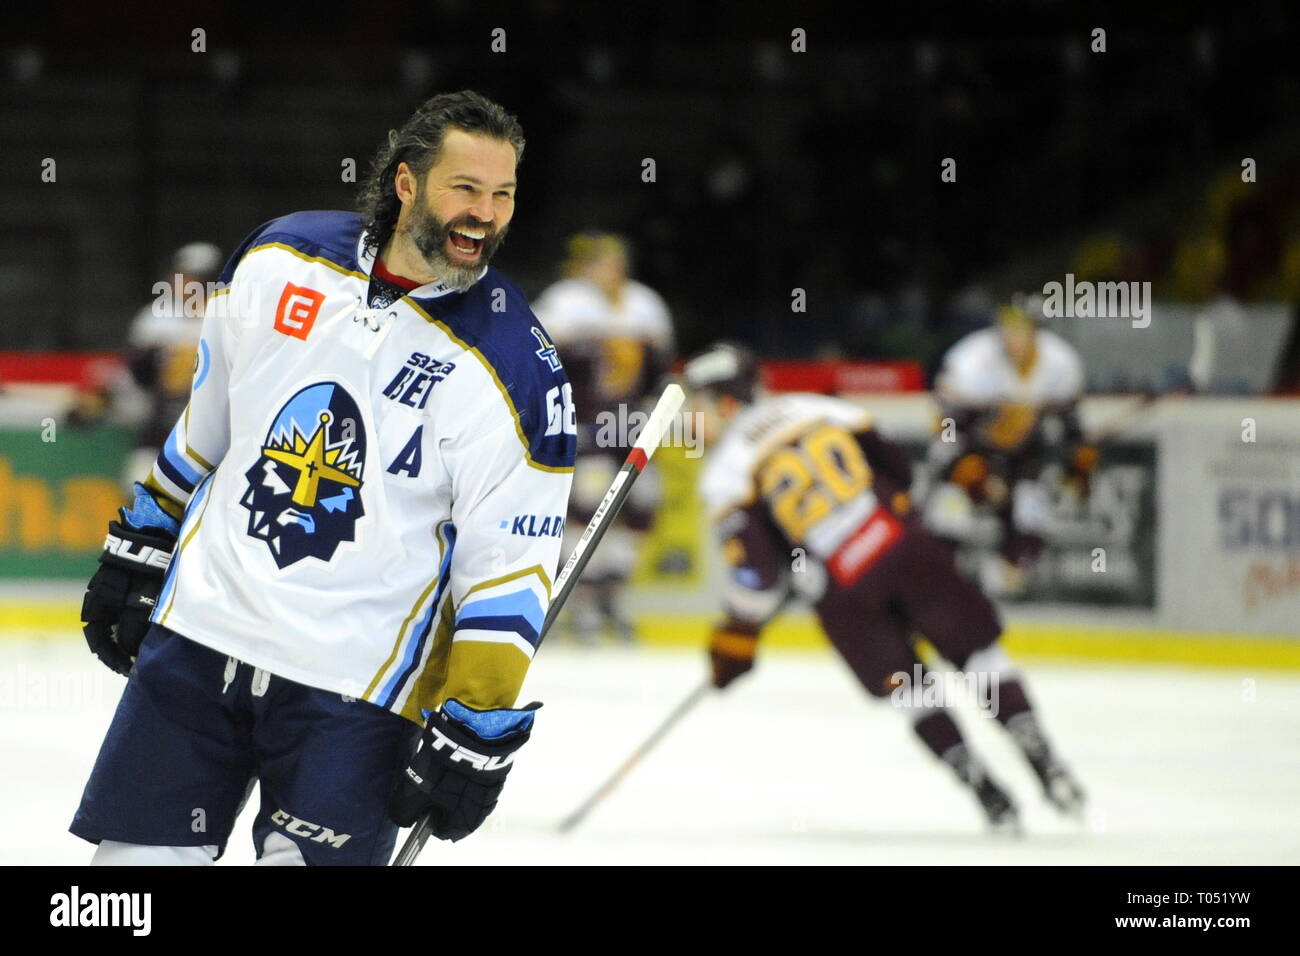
[[808, 500], [152, 384], [1008, 399], [163, 343], [616, 338], [333, 579]]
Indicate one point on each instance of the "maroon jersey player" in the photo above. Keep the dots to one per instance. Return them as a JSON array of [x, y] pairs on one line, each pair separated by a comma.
[[809, 500]]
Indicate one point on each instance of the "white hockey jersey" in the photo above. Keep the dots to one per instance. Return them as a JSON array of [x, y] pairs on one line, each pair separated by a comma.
[[373, 498], [620, 340], [576, 309], [977, 372]]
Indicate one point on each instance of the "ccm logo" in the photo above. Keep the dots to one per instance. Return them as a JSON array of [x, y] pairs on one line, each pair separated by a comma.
[[150, 557], [476, 760], [301, 828], [297, 310]]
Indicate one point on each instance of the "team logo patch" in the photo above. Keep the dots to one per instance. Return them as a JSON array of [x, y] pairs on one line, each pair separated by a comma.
[[547, 351], [297, 311], [304, 491]]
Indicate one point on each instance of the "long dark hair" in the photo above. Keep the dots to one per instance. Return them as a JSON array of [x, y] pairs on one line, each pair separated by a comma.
[[418, 144]]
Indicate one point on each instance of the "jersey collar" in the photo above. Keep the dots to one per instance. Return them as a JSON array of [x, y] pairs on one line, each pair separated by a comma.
[[366, 256]]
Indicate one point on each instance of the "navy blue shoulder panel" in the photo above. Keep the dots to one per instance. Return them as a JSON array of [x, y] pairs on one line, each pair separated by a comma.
[[329, 234], [494, 317]]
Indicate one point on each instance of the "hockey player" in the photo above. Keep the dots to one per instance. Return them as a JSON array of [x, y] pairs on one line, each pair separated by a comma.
[[333, 578], [809, 472], [164, 338], [617, 341], [999, 390], [153, 384]]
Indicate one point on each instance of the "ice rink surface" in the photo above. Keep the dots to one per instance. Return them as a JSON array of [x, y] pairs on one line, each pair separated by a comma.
[[791, 765]]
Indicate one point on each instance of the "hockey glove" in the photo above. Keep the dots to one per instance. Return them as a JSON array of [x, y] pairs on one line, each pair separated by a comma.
[[459, 767], [731, 653], [122, 593]]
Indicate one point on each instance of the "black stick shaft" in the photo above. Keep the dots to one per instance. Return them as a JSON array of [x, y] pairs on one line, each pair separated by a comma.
[[605, 789], [618, 491]]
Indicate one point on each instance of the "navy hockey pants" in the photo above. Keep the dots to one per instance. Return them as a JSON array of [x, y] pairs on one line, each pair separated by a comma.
[[195, 729]]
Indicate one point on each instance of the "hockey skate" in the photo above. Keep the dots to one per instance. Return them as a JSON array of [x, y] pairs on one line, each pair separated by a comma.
[[1003, 817], [1059, 786], [997, 805]]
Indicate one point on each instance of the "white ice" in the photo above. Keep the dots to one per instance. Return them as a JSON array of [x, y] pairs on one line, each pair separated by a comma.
[[791, 765]]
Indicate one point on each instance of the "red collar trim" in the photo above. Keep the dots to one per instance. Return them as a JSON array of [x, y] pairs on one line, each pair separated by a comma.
[[400, 281]]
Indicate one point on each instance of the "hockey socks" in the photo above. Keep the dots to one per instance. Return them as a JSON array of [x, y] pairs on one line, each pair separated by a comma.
[[1016, 714], [1060, 787], [939, 733]]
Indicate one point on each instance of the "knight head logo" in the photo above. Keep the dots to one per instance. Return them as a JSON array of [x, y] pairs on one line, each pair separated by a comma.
[[304, 492]]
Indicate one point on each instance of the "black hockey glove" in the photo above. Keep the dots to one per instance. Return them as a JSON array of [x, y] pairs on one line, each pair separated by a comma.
[[459, 767], [122, 593]]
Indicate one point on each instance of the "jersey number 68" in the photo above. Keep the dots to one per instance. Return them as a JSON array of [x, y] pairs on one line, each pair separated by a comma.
[[561, 416]]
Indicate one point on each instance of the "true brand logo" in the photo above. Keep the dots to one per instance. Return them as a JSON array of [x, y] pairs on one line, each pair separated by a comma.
[[476, 760], [148, 556]]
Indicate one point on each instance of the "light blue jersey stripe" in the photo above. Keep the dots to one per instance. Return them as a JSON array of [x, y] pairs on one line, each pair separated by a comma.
[[519, 604], [178, 461], [415, 638], [191, 511]]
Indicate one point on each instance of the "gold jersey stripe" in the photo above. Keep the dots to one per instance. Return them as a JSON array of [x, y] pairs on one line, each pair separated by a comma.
[[536, 569]]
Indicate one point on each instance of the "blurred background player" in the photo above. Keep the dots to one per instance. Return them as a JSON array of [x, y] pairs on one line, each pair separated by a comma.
[[150, 388], [161, 349], [615, 337], [1008, 398], [809, 500]]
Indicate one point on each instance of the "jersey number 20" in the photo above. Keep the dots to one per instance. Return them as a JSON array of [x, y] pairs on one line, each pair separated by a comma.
[[805, 481]]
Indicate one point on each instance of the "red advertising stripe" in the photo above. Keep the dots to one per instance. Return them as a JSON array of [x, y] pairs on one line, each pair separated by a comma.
[[836, 377], [82, 369]]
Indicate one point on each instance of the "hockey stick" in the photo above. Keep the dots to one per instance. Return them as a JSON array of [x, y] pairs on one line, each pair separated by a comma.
[[678, 712], [653, 432]]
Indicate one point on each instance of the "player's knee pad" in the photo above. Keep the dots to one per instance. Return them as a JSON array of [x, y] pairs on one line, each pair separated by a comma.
[[990, 660], [112, 853]]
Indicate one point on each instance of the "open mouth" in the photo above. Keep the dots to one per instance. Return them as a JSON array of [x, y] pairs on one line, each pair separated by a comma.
[[467, 243]]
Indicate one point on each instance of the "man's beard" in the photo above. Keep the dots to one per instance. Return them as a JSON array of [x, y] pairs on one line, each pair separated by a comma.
[[430, 234]]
